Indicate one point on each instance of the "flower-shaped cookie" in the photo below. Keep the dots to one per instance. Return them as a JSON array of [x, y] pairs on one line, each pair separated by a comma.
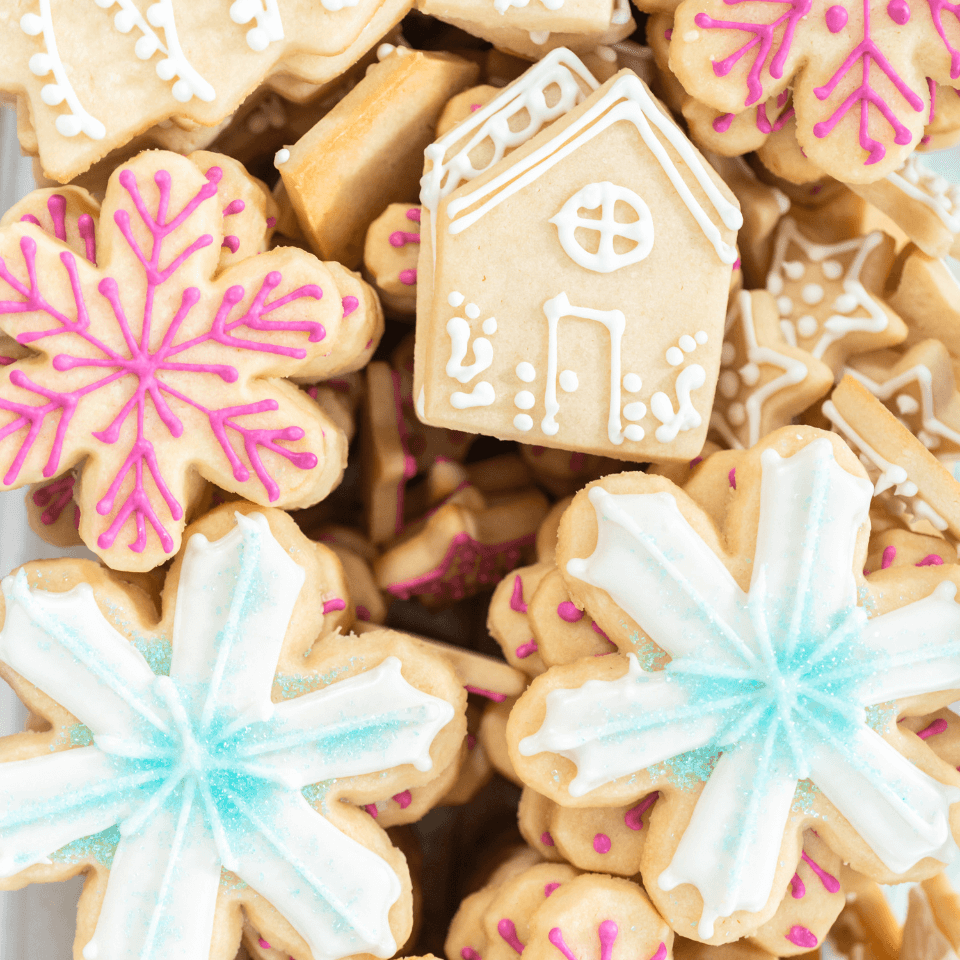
[[862, 71], [778, 709], [156, 363], [200, 762]]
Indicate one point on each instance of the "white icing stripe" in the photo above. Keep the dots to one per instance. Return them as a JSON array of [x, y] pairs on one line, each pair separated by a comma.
[[686, 417], [920, 183], [627, 99], [890, 474], [482, 395], [269, 28], [458, 330]]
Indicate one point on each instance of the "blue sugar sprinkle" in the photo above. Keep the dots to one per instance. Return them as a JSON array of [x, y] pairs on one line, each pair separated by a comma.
[[99, 847]]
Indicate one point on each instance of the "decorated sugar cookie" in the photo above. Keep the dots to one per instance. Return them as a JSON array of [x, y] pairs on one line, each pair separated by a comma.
[[788, 672], [861, 72], [198, 762], [165, 359], [590, 353], [390, 253]]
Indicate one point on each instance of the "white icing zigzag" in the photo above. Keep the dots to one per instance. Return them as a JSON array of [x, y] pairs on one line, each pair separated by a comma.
[[200, 769], [772, 684]]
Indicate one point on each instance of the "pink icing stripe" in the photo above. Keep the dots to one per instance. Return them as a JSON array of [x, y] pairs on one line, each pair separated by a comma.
[[736, 266], [6, 361], [233, 208], [489, 694], [333, 606], [802, 937], [732, 478], [935, 728], [349, 305], [231, 243], [546, 839], [400, 238], [830, 883], [889, 555], [568, 611], [54, 496], [797, 889], [516, 598], [508, 933], [404, 799], [932, 87], [263, 943], [468, 953], [632, 817], [597, 630], [931, 560], [697, 460], [601, 843], [526, 649], [371, 808], [549, 888], [408, 277], [722, 123]]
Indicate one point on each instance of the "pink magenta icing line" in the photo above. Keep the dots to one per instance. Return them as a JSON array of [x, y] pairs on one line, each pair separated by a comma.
[[549, 888], [932, 87], [472, 558], [797, 889], [516, 598], [607, 933], [526, 649], [508, 933], [468, 953], [400, 238], [568, 611], [231, 242], [263, 943], [54, 496], [403, 799], [830, 883], [371, 808], [332, 606], [234, 207], [144, 364], [481, 692], [722, 123], [935, 728], [930, 560], [632, 817], [601, 843], [736, 266], [546, 839], [57, 207], [732, 478], [889, 555], [802, 937]]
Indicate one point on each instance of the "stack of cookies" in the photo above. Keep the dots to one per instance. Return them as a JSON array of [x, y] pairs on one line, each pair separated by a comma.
[[516, 453]]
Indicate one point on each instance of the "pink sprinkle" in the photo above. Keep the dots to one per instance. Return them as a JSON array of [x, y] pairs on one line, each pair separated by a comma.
[[263, 943], [546, 839], [508, 931], [362, 612], [601, 843], [516, 599], [525, 649], [474, 107], [489, 694], [632, 817], [802, 937], [549, 888], [930, 560], [403, 799], [938, 726], [371, 808], [332, 606], [889, 555], [271, 222], [568, 611], [408, 277], [349, 305], [797, 889], [468, 953], [732, 478]]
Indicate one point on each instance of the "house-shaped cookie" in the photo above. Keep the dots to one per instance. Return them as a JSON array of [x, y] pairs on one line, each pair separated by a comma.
[[573, 295]]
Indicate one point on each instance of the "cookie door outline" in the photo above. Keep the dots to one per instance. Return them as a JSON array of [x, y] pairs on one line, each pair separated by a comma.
[[616, 323]]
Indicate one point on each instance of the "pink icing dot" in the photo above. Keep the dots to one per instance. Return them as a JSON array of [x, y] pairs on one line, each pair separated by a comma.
[[332, 606], [898, 11], [471, 741], [414, 214], [802, 937], [263, 943], [797, 889], [889, 555], [667, 34], [568, 611], [931, 560], [349, 305], [371, 808], [408, 277], [508, 932], [546, 839], [403, 799], [549, 888], [632, 817], [732, 478], [474, 107], [231, 243], [736, 264], [722, 123], [601, 843], [836, 18], [468, 953], [362, 612], [271, 222], [526, 649]]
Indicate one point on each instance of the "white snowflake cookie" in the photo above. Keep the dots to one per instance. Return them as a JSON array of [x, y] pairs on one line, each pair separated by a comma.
[[777, 711], [217, 757]]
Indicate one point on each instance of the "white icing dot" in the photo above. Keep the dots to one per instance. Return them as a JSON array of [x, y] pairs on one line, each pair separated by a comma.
[[472, 311], [31, 24], [674, 356], [40, 64], [845, 303], [750, 374], [736, 414], [785, 306], [701, 337], [633, 431], [728, 384], [539, 37], [523, 422], [569, 381], [807, 326], [794, 269], [490, 325], [526, 371], [635, 410], [281, 156], [524, 400], [728, 353], [907, 404], [831, 269], [812, 293], [687, 343], [607, 53], [455, 299], [632, 383], [775, 284], [384, 50]]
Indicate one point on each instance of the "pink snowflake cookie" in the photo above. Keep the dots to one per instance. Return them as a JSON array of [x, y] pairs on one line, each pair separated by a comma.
[[862, 72], [161, 357]]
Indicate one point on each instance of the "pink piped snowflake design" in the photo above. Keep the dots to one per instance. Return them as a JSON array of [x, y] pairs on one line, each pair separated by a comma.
[[154, 366], [862, 71]]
